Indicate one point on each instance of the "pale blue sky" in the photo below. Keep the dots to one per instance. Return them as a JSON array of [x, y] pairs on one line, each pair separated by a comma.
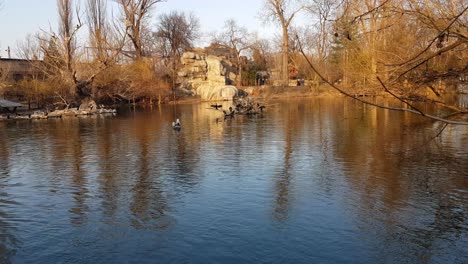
[[20, 17]]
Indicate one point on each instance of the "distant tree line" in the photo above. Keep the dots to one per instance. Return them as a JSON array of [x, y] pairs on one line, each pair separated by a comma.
[[124, 58], [417, 47]]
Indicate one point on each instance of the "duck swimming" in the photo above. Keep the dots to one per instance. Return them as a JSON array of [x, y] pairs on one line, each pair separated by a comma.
[[176, 125]]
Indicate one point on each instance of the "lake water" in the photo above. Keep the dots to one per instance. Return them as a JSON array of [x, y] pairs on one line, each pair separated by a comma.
[[310, 181]]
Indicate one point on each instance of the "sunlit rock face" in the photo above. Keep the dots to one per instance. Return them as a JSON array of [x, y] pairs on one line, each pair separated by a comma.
[[216, 93], [211, 77]]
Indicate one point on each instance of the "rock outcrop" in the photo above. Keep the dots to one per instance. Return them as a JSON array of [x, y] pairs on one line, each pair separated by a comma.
[[70, 112], [217, 92], [211, 77]]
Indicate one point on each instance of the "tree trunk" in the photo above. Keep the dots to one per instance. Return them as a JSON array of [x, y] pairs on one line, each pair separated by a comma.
[[239, 71], [285, 57], [138, 48]]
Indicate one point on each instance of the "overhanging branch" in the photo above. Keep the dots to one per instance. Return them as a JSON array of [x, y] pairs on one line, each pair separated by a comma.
[[410, 110]]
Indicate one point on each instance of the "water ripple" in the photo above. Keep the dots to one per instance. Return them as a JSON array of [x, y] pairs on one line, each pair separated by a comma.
[[312, 181]]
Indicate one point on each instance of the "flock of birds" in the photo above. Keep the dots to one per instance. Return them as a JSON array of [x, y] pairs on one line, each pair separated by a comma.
[[241, 107]]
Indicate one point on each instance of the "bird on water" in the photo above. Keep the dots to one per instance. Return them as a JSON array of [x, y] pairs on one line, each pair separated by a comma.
[[176, 125]]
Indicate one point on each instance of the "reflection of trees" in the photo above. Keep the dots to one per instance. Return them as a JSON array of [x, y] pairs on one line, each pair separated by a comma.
[[108, 183], [362, 140], [79, 180], [385, 159], [283, 180], [4, 150], [184, 148], [8, 242], [155, 154], [321, 121], [67, 156], [294, 118], [149, 204], [449, 221], [184, 156], [441, 185]]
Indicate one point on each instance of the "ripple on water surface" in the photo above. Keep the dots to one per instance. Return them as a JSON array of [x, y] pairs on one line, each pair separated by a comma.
[[310, 181]]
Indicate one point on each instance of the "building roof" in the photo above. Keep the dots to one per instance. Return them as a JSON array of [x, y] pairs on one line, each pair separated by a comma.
[[6, 104], [18, 60]]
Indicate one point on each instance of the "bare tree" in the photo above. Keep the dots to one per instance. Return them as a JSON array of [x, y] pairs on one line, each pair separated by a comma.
[[135, 13], [236, 38], [98, 28], [58, 51], [61, 60], [409, 107], [29, 48], [64, 51], [106, 42], [447, 32], [261, 53], [283, 11], [176, 33], [392, 30], [322, 12]]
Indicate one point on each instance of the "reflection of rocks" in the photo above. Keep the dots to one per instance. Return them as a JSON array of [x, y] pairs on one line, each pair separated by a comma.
[[209, 76]]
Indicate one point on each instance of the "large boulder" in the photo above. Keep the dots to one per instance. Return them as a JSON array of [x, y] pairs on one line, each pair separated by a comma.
[[200, 69], [209, 92], [216, 74]]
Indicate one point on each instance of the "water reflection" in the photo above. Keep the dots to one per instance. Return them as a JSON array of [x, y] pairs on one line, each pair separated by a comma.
[[148, 203], [4, 150], [294, 120], [393, 166], [8, 240], [324, 174], [108, 183], [78, 173]]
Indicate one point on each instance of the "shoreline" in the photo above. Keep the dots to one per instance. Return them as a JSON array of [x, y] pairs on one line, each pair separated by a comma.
[[263, 93]]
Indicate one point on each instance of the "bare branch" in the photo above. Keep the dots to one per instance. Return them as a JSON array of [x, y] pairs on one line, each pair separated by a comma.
[[430, 56], [399, 98], [135, 13], [360, 17], [445, 30], [411, 110]]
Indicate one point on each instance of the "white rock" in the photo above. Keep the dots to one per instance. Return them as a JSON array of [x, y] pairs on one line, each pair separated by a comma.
[[217, 93], [188, 55]]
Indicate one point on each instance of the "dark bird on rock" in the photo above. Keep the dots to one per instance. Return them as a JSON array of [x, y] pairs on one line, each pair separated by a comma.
[[216, 106], [229, 114]]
